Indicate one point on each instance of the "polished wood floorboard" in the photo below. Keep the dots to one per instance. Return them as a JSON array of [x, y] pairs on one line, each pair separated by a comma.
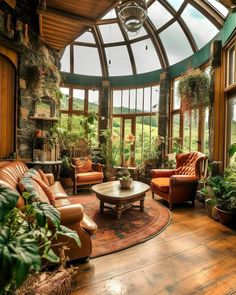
[[194, 255]]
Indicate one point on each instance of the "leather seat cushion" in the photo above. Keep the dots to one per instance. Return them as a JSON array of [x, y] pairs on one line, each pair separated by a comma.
[[57, 190], [161, 183], [89, 176]]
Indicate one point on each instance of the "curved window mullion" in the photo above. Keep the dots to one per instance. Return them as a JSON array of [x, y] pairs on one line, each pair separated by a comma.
[[101, 51], [157, 44], [131, 55]]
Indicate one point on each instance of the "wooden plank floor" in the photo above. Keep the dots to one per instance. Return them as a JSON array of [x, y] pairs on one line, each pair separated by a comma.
[[194, 255]]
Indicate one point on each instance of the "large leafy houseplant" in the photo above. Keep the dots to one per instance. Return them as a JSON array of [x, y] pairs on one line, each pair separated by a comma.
[[194, 89], [26, 238]]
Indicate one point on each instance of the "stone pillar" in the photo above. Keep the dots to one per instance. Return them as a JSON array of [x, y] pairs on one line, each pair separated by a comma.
[[105, 108], [164, 107]]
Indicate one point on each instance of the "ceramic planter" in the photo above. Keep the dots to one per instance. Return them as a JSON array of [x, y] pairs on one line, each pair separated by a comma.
[[125, 183], [226, 217]]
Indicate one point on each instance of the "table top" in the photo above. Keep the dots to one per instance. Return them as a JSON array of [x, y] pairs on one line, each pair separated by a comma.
[[45, 163], [113, 190]]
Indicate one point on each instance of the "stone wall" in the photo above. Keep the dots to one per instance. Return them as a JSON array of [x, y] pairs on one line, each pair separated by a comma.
[[37, 73], [38, 77]]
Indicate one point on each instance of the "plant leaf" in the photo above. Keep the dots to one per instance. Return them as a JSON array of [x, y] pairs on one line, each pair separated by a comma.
[[65, 231], [47, 210], [8, 200]]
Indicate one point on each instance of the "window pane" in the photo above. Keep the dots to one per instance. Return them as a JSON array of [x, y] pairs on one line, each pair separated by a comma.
[[206, 132], [87, 61], [93, 101], [218, 6], [78, 99], [118, 61], [231, 66], [140, 33], [201, 28], [139, 100], [111, 33], [155, 98], [176, 126], [139, 140], [117, 102], [110, 14], [65, 60], [176, 3], [176, 98], [125, 101], [147, 99], [132, 94], [145, 56], [65, 99], [116, 131], [158, 14], [86, 37], [190, 131], [176, 43], [232, 125]]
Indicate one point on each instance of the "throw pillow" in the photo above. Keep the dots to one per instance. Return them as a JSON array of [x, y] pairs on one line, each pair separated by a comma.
[[46, 189], [43, 177], [28, 184], [83, 164]]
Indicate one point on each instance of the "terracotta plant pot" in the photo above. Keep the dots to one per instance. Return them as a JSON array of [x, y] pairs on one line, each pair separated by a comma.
[[226, 217], [125, 183]]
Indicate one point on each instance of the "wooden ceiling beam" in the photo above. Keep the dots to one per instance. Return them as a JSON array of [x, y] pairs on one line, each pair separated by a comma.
[[65, 16]]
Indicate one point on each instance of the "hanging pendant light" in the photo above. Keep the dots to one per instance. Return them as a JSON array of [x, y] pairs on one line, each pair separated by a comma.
[[132, 14]]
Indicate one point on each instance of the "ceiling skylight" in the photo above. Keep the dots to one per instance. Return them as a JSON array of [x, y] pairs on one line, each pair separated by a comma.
[[162, 41]]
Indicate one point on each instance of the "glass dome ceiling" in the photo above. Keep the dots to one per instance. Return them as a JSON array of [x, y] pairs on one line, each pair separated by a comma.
[[173, 30]]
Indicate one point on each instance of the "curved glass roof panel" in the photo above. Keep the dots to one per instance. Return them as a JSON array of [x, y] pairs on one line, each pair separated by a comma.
[[146, 58], [201, 28], [140, 33], [86, 61], [118, 61], [176, 43], [111, 33], [65, 60], [87, 37], [176, 3], [110, 14], [218, 6], [158, 15], [173, 31]]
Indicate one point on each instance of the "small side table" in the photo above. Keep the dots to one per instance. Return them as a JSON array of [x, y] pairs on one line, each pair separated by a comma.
[[53, 166]]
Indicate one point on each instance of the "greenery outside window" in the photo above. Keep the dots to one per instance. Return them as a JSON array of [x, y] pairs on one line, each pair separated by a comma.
[[135, 111]]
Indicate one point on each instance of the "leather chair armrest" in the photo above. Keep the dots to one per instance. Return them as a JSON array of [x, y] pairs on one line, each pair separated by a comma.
[[88, 224], [183, 179], [71, 214], [97, 167], [50, 178], [162, 173]]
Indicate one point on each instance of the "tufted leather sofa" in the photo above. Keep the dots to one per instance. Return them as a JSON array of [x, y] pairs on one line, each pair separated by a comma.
[[72, 215], [180, 184]]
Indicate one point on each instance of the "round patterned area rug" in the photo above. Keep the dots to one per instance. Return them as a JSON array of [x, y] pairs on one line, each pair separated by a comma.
[[133, 228]]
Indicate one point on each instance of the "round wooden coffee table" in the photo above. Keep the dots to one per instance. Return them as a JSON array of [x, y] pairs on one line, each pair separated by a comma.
[[111, 193]]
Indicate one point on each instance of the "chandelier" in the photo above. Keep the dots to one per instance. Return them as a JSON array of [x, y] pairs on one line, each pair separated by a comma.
[[132, 14]]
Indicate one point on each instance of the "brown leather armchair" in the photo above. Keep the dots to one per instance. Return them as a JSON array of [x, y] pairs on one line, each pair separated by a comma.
[[84, 172], [180, 184]]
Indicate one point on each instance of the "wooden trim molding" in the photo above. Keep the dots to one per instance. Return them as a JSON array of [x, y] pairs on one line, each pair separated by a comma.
[[11, 3], [10, 54]]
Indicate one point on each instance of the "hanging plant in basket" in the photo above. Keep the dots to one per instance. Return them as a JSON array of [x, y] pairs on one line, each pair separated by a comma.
[[194, 89]]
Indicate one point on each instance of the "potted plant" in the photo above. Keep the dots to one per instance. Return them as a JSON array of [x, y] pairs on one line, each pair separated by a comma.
[[65, 172], [109, 151], [194, 89], [26, 238], [125, 178], [224, 189]]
